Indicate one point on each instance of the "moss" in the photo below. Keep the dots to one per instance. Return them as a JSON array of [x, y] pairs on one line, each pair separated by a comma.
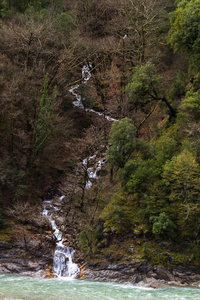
[[180, 258], [97, 106], [5, 234]]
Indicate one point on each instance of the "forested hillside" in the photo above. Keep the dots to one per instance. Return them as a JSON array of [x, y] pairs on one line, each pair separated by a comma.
[[143, 57]]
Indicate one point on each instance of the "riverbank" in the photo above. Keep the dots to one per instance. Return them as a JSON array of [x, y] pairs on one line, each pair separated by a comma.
[[142, 274], [28, 248], [38, 262]]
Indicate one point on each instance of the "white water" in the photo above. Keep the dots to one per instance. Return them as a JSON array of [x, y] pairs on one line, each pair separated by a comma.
[[63, 265], [92, 172], [86, 75]]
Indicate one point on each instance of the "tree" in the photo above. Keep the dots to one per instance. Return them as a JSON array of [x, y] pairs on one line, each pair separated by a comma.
[[141, 176], [124, 141], [145, 88], [33, 130], [21, 5], [139, 20], [184, 34], [181, 176], [191, 106], [163, 226], [189, 117]]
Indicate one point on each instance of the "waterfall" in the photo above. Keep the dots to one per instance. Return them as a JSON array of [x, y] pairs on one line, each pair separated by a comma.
[[92, 172], [63, 265], [86, 75]]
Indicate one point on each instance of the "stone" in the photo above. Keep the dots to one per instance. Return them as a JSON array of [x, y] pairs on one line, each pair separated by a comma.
[[137, 234], [163, 274], [4, 246], [60, 221], [40, 222], [131, 250], [152, 282], [112, 229]]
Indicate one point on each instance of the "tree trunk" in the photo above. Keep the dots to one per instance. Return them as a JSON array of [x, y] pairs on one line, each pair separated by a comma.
[[173, 112]]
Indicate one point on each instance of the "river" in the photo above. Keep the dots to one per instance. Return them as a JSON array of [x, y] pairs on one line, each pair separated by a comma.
[[22, 287]]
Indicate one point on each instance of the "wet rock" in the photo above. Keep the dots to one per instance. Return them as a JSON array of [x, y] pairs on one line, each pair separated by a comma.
[[60, 221], [138, 279], [152, 282], [112, 229], [40, 222], [163, 274], [131, 250]]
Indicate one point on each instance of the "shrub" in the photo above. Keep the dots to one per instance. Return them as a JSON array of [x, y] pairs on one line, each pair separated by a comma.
[[163, 226]]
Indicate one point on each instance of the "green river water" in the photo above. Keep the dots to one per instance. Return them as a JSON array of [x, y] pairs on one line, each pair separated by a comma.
[[21, 287]]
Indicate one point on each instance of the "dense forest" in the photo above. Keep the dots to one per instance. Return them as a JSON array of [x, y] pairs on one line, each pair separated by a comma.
[[144, 64]]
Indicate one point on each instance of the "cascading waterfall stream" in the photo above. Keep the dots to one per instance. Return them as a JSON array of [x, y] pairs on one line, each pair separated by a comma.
[[86, 75], [63, 265], [91, 172]]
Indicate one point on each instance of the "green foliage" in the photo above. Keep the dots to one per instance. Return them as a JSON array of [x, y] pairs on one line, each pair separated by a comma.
[[165, 147], [123, 143], [21, 6], [182, 176], [184, 33], [163, 226], [145, 172], [36, 16], [178, 85], [66, 21], [191, 105], [144, 86], [117, 214], [138, 174], [89, 236], [125, 173], [5, 11]]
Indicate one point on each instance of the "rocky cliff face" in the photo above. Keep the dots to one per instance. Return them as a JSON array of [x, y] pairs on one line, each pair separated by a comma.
[[28, 251], [142, 273]]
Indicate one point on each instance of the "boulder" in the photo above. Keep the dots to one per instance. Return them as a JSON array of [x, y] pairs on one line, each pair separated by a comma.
[[40, 222], [163, 274]]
